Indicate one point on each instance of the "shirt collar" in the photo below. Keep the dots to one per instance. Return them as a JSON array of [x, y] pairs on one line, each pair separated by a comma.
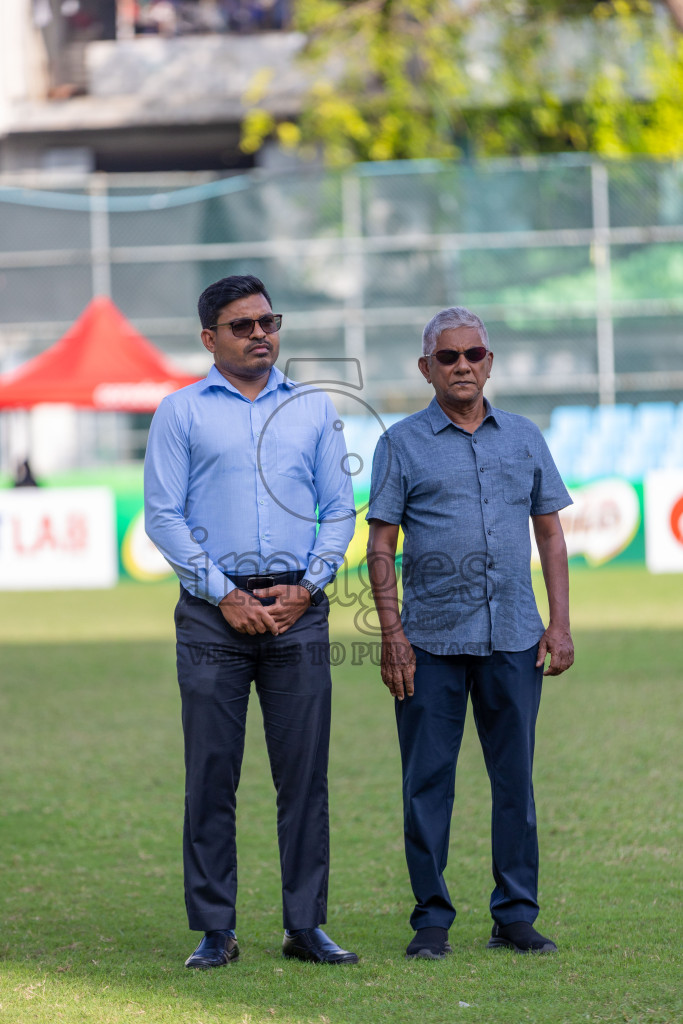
[[439, 420], [215, 378]]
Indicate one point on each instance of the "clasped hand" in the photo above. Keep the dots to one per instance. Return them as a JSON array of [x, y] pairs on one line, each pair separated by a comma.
[[246, 614]]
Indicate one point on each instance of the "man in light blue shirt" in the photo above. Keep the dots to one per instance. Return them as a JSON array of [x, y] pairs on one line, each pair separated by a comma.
[[248, 496]]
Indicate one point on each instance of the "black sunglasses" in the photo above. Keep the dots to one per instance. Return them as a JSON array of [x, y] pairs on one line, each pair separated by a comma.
[[242, 328], [448, 356]]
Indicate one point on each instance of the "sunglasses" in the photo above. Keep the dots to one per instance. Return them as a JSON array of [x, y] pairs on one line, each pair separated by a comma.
[[448, 356], [243, 328]]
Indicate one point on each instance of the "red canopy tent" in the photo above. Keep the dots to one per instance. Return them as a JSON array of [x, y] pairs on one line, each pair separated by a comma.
[[101, 363]]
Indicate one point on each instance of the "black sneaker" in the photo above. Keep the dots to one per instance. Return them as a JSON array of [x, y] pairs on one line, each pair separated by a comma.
[[429, 944], [521, 937]]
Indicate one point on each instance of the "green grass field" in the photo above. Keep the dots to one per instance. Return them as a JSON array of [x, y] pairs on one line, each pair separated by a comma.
[[93, 922]]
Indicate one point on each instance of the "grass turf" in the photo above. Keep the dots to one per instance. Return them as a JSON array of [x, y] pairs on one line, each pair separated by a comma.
[[93, 926]]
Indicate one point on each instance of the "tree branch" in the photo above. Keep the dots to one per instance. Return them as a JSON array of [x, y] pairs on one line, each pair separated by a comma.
[[676, 8]]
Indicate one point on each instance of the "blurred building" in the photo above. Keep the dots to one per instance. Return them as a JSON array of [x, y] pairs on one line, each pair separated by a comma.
[[576, 265], [156, 85], [136, 85], [121, 175]]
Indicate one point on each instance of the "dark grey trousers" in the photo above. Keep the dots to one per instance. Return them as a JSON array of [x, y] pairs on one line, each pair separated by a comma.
[[216, 666]]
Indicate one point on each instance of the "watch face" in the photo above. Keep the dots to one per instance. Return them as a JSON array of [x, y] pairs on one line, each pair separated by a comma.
[[316, 593]]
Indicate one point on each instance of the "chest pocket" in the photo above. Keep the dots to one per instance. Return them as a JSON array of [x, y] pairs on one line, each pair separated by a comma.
[[518, 479], [295, 452]]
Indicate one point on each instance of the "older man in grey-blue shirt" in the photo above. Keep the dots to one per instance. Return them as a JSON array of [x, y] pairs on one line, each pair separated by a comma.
[[462, 479]]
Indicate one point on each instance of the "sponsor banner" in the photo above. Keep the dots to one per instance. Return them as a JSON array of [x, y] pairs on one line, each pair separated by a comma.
[[603, 524], [140, 558], [133, 395], [664, 520], [60, 538]]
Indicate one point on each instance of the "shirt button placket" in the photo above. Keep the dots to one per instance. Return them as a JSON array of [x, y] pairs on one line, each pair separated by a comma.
[[487, 510], [260, 449]]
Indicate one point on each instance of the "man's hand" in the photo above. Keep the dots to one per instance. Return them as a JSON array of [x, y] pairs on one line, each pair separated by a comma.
[[290, 604], [558, 643], [247, 615], [398, 665], [398, 658], [557, 640]]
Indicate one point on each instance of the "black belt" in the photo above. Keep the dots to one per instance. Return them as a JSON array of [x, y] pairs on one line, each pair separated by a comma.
[[271, 579]]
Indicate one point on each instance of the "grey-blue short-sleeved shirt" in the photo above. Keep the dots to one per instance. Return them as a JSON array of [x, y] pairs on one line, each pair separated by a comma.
[[464, 501]]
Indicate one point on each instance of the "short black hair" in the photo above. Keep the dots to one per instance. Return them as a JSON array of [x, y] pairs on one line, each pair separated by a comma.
[[228, 289]]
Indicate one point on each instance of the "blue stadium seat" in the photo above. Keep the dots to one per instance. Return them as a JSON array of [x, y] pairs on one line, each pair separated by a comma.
[[564, 453], [612, 421], [596, 459], [654, 419], [638, 457], [563, 444], [570, 420], [678, 419], [672, 457], [631, 465], [627, 440]]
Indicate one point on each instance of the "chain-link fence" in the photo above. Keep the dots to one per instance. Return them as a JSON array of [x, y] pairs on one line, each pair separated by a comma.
[[576, 266]]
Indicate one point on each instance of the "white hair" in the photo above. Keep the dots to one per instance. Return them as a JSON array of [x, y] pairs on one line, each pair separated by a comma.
[[448, 320]]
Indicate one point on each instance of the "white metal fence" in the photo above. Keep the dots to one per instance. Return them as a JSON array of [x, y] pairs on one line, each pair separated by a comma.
[[576, 266]]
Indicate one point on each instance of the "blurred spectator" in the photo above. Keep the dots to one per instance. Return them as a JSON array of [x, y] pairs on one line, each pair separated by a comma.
[[85, 20], [185, 17], [157, 17], [24, 477]]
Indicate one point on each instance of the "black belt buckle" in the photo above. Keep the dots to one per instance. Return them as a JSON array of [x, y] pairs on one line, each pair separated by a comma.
[[260, 582]]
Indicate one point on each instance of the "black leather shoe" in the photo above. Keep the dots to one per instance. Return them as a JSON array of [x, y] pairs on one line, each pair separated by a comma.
[[313, 945], [215, 950], [429, 944], [520, 936]]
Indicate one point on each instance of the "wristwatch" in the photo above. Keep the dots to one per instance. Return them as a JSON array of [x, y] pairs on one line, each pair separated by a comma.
[[317, 595]]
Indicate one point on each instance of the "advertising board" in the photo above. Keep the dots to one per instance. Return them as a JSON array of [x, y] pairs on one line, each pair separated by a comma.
[[604, 525], [664, 520], [611, 522], [58, 538]]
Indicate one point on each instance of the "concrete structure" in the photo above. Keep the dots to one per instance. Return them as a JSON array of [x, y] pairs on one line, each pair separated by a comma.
[[147, 103], [80, 90]]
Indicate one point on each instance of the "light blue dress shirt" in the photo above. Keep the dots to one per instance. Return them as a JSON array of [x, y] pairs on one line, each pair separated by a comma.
[[239, 487]]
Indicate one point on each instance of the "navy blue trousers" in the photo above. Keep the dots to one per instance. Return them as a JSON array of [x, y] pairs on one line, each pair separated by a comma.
[[505, 690], [216, 666]]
